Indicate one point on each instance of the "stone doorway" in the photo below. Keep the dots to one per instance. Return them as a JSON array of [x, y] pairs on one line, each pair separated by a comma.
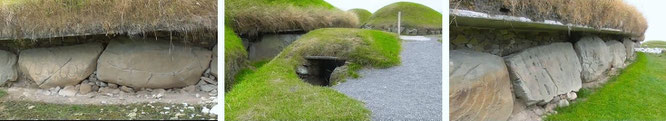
[[317, 70]]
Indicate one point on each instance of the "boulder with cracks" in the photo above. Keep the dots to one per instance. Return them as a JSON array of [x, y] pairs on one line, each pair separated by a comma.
[[59, 66]]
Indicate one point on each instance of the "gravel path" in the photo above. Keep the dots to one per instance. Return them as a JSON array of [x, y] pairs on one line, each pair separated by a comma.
[[411, 91]]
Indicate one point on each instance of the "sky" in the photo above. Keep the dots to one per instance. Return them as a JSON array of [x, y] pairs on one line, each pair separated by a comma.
[[374, 5], [653, 11]]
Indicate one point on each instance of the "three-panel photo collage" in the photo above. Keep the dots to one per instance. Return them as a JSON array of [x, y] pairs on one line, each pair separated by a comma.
[[338, 60]]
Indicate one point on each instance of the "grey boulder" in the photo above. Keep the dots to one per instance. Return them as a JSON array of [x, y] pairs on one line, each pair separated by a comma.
[[540, 73], [59, 66], [479, 87], [152, 63], [7, 67], [629, 46], [213, 63], [594, 57], [618, 53]]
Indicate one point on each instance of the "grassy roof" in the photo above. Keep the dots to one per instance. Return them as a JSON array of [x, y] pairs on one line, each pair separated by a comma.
[[594, 13], [275, 92], [252, 17], [34, 19], [362, 14], [414, 15]]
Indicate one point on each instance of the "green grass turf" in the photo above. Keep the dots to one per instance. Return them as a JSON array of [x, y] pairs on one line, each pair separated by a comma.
[[275, 92], [638, 93], [414, 15]]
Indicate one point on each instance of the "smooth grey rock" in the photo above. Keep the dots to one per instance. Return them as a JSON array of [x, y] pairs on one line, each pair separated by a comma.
[[213, 63], [302, 70], [126, 89], [617, 52], [85, 88], [594, 57], [629, 47], [152, 64], [68, 91], [59, 66], [563, 103], [207, 87], [8, 71], [540, 73], [479, 87], [572, 96], [270, 46]]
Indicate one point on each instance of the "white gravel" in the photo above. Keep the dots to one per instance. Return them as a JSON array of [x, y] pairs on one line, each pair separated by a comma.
[[410, 91]]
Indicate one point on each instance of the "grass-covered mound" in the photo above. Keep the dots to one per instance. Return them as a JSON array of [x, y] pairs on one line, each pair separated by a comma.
[[654, 44], [33, 19], [235, 56], [362, 14], [275, 92], [636, 94], [414, 15], [253, 17]]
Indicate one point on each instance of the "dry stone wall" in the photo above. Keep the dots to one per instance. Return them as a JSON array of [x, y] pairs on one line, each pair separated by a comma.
[[545, 69], [116, 64]]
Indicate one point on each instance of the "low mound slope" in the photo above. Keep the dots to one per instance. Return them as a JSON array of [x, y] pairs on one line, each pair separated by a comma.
[[362, 14], [654, 44], [252, 17], [614, 14], [414, 15], [33, 19], [275, 92], [235, 56]]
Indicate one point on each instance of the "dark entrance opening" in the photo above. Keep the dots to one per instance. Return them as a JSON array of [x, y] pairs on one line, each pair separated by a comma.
[[317, 70]]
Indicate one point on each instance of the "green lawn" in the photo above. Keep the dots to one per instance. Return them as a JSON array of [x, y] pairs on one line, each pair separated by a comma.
[[654, 44], [638, 93], [275, 92]]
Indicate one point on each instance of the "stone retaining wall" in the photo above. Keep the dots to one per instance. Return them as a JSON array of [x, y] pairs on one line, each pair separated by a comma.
[[130, 63], [545, 70]]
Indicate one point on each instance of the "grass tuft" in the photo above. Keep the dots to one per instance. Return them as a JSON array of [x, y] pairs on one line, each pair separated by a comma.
[[275, 92], [254, 17], [33, 19]]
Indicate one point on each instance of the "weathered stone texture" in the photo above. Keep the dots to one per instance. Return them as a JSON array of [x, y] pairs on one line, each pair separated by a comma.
[[594, 57], [629, 46], [540, 73], [8, 70], [59, 66], [213, 63], [270, 46], [152, 64], [618, 53], [480, 88]]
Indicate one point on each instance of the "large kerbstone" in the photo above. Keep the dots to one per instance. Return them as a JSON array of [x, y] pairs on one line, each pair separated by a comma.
[[270, 46], [59, 66], [629, 47], [213, 63], [618, 53], [594, 57], [152, 64], [480, 87], [540, 73], [7, 67]]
